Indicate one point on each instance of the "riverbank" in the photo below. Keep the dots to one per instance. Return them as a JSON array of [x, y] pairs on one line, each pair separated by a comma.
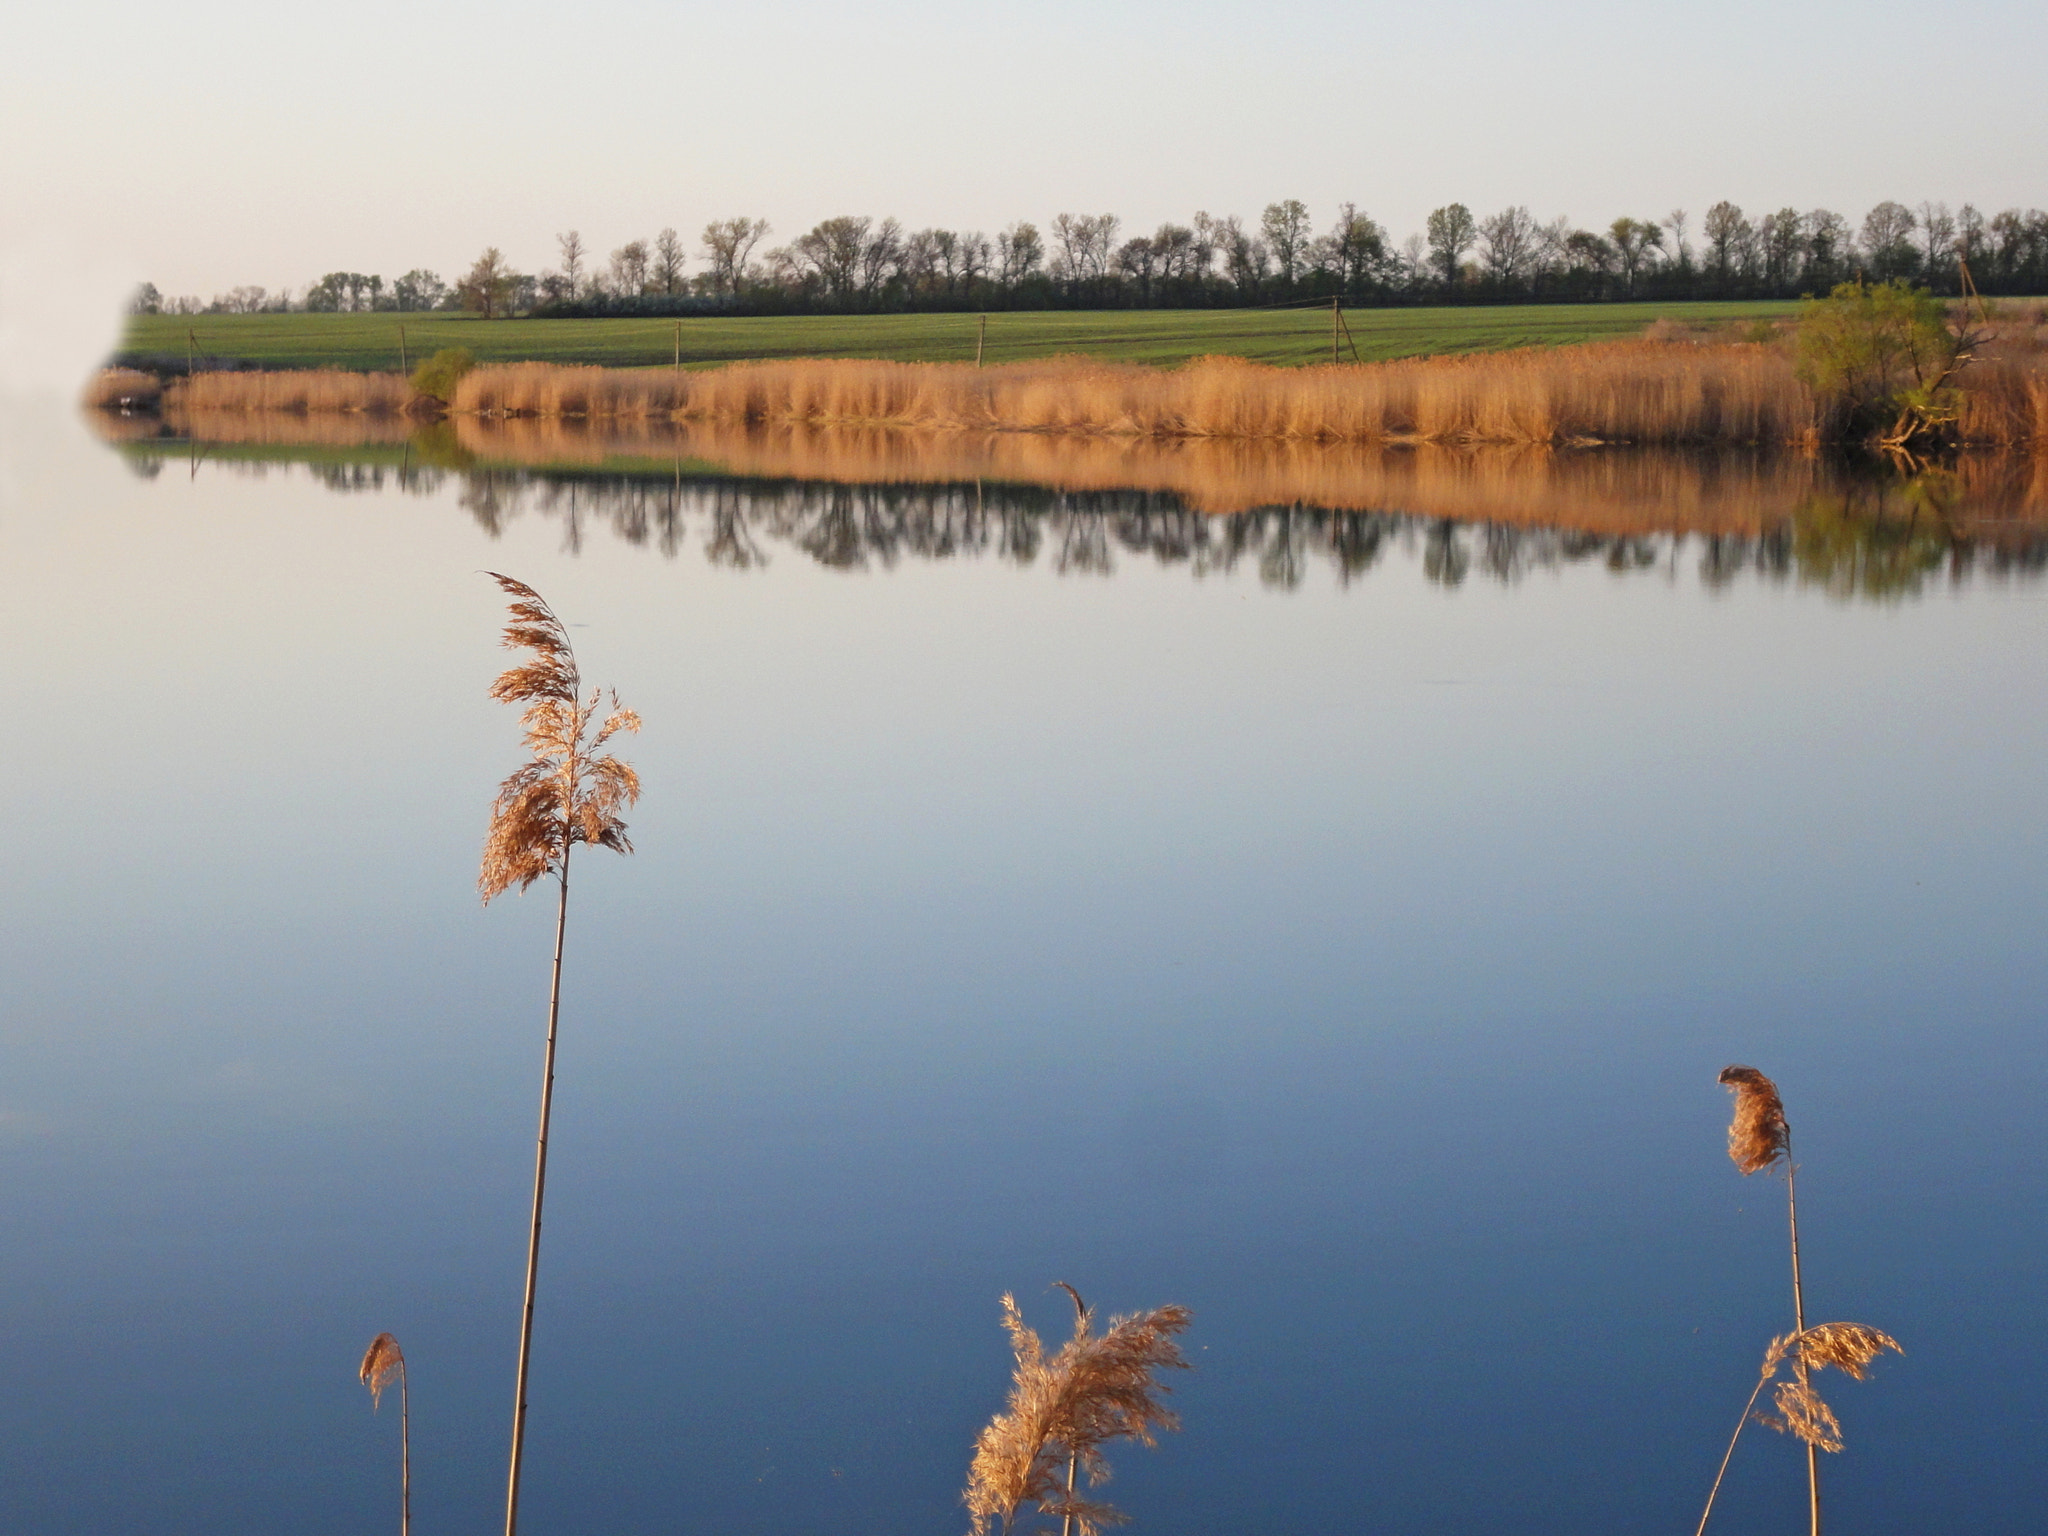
[[1642, 392]]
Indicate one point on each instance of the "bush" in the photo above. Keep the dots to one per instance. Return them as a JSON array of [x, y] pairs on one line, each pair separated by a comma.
[[437, 377], [1869, 351]]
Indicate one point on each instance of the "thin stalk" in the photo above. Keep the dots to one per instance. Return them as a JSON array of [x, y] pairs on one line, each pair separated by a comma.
[[540, 1184], [1799, 1322], [404, 1451], [1729, 1454], [1073, 1456]]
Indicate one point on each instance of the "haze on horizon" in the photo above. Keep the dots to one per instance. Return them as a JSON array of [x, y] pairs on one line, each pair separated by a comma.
[[227, 142]]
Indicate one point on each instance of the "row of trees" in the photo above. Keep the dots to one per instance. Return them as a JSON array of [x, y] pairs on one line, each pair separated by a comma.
[[858, 263]]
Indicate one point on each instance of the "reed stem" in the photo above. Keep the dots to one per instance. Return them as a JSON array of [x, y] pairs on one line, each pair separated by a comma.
[[404, 1451], [1799, 1324], [540, 1183], [1729, 1454]]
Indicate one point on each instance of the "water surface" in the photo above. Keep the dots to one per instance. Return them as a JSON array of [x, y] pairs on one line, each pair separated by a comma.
[[1329, 912]]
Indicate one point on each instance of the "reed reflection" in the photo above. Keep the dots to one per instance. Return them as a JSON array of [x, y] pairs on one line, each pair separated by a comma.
[[861, 500]]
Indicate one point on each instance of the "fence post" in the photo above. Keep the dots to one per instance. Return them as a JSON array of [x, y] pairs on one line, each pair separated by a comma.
[[980, 340]]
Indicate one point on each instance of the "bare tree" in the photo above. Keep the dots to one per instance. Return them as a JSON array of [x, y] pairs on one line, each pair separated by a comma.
[[832, 251], [1082, 245], [1937, 241], [728, 245], [571, 245], [1727, 231], [1507, 244], [1681, 253], [629, 268], [1634, 240], [1019, 253], [669, 262], [880, 256], [1888, 240]]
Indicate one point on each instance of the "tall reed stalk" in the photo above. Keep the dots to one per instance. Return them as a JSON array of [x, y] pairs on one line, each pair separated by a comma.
[[1759, 1137], [381, 1361], [571, 792]]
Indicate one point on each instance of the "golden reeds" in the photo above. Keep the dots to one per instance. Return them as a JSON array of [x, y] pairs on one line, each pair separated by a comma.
[[1636, 391], [297, 391], [1618, 391], [1064, 1408], [571, 792], [381, 1362], [122, 389]]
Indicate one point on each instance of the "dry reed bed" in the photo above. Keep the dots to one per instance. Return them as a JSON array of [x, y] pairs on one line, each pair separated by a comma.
[[1641, 392], [300, 392]]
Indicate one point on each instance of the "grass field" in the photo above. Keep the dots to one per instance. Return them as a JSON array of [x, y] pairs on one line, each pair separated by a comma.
[[1157, 337]]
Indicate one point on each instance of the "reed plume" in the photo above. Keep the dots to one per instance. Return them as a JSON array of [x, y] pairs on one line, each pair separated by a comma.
[[1760, 1138], [1758, 1135], [1848, 1347], [571, 792], [1064, 1408], [382, 1361]]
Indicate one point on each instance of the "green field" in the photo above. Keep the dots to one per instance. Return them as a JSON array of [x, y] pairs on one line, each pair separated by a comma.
[[1159, 337]]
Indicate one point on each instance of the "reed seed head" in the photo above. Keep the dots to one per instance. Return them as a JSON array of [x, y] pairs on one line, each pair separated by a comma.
[[382, 1362], [1802, 1413], [1095, 1389], [1848, 1347], [571, 792], [1758, 1136]]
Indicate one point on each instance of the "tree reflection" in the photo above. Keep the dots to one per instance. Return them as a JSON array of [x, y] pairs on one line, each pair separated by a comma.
[[1872, 538]]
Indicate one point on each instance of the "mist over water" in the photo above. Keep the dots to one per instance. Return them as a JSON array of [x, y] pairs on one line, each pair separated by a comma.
[[1329, 916]]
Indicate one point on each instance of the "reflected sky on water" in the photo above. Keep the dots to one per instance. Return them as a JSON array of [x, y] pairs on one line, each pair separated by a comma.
[[1343, 943]]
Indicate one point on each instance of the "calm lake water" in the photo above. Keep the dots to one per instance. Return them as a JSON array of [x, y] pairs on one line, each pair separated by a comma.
[[1331, 917]]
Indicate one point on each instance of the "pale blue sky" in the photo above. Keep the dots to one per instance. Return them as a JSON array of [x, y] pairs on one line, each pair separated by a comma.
[[226, 141]]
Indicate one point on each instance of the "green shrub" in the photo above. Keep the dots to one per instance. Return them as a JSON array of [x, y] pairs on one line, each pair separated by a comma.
[[1870, 350], [437, 377]]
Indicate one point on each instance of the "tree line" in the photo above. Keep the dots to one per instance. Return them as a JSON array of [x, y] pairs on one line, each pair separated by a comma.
[[856, 263]]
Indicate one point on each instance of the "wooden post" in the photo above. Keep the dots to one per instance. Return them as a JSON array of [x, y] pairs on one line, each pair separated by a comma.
[[191, 346], [403, 365], [1336, 320], [679, 366], [980, 340]]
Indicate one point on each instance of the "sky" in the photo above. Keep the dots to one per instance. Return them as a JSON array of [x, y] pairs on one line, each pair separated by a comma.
[[224, 142]]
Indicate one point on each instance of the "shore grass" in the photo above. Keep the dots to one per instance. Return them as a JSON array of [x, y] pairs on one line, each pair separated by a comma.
[[1156, 338]]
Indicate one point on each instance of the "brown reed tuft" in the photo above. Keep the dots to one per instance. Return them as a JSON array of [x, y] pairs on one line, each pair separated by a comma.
[[1097, 1388], [381, 1364], [1758, 1135], [570, 792]]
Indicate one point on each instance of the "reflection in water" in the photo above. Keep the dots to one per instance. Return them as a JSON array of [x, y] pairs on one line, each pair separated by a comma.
[[852, 500]]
